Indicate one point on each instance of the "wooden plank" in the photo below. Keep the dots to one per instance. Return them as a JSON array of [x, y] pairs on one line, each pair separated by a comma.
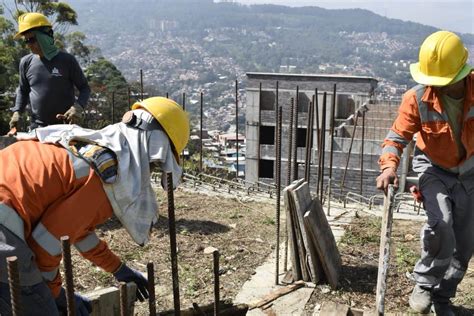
[[276, 294], [384, 254], [298, 230], [323, 238], [302, 197], [291, 230], [333, 309], [106, 302]]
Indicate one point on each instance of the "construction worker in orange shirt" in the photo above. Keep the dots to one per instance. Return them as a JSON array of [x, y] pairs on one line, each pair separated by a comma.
[[64, 180], [440, 110]]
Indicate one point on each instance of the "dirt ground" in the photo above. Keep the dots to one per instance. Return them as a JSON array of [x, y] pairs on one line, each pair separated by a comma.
[[359, 250], [244, 233]]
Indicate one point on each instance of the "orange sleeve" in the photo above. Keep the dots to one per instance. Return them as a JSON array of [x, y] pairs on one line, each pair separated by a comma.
[[405, 126], [75, 216]]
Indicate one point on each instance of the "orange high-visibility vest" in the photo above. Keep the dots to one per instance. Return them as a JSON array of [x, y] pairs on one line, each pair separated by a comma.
[[46, 193]]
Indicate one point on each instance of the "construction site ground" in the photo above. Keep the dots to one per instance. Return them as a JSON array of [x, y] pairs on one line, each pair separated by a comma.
[[242, 228]]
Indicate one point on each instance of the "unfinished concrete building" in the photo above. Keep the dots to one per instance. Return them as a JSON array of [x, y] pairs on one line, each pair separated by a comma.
[[352, 92]]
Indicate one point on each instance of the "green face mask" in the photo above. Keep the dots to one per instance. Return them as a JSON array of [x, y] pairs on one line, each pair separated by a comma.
[[46, 43]]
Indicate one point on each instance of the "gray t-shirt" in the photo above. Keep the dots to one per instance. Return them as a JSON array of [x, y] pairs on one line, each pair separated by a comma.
[[48, 86]]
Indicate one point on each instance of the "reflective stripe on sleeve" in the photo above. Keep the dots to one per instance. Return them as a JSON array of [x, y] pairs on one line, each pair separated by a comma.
[[81, 167], [46, 240], [394, 137], [50, 275], [391, 150], [11, 220], [88, 243]]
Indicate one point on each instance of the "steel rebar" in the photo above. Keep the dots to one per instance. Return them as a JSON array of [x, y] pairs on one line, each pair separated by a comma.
[[318, 135], [215, 256], [323, 145], [295, 149], [309, 142], [362, 153], [129, 97], [14, 284], [237, 130], [278, 192], [123, 299], [200, 134], [331, 130], [66, 249], [172, 231], [259, 132], [290, 142], [354, 129], [184, 109], [151, 288], [141, 83]]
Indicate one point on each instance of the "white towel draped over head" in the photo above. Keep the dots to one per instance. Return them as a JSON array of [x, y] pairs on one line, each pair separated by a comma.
[[132, 197]]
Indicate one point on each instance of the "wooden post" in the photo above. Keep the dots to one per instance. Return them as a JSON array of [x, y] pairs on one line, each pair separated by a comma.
[[384, 255]]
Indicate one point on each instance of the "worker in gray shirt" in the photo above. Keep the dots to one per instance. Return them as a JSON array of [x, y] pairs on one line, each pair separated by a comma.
[[47, 77]]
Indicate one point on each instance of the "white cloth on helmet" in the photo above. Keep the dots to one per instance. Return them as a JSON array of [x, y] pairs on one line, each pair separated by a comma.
[[131, 196]]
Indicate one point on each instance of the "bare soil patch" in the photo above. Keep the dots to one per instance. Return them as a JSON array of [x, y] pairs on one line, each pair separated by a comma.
[[359, 250], [242, 232]]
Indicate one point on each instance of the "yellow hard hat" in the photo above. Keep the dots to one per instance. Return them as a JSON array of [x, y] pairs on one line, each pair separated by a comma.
[[442, 60], [30, 20], [171, 117]]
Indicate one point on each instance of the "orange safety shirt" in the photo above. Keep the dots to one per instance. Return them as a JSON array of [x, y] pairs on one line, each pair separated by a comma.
[[56, 194], [435, 135]]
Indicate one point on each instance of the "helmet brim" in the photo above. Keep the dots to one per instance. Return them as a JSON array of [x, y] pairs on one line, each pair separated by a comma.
[[438, 81]]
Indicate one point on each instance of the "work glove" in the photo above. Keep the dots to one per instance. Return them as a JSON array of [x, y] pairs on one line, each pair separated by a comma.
[[83, 304], [14, 120], [388, 176], [126, 274], [72, 115]]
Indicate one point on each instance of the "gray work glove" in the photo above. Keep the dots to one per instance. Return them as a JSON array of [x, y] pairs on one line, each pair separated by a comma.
[[73, 115], [14, 120]]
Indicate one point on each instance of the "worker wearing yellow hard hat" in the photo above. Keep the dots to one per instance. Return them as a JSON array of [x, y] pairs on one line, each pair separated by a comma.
[[47, 77], [440, 110], [65, 180]]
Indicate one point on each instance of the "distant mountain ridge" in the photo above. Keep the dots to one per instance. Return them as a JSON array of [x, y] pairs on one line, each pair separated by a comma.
[[256, 38]]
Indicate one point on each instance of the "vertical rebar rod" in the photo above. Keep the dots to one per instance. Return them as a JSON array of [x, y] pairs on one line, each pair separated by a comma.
[[112, 112], [14, 284], [309, 142], [318, 137], [290, 142], [278, 192], [66, 248], [354, 129], [215, 256], [331, 130], [295, 148], [141, 83], [276, 110], [184, 109], [362, 154], [200, 133], [129, 97], [259, 132], [323, 145], [174, 255], [237, 130], [123, 299], [151, 288], [167, 95]]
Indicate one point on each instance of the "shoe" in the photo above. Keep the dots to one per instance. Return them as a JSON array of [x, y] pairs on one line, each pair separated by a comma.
[[420, 300], [442, 309]]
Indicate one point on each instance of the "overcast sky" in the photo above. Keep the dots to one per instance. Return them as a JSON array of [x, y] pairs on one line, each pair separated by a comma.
[[455, 15]]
